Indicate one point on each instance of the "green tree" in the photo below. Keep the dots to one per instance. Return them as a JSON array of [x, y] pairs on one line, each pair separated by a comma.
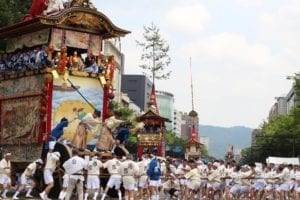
[[13, 11], [280, 136], [155, 54], [204, 152]]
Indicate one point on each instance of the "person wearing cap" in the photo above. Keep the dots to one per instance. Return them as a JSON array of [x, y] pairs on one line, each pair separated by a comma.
[[154, 173], [27, 178], [129, 170], [143, 166], [52, 162], [114, 180], [88, 122], [5, 172], [74, 167], [93, 181]]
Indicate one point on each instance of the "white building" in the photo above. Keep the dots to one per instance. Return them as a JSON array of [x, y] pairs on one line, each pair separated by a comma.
[[177, 122], [279, 107], [165, 103], [113, 47]]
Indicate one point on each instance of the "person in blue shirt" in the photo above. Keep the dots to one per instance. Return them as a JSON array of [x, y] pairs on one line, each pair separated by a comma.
[[154, 173], [57, 132]]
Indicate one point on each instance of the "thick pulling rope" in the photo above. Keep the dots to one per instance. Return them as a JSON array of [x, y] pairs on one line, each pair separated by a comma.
[[74, 87]]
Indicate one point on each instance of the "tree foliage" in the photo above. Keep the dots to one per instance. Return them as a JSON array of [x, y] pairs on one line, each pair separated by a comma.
[[280, 136], [13, 11], [155, 53]]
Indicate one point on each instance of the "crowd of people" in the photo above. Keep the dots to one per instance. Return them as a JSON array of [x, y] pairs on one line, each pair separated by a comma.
[[151, 176], [37, 58]]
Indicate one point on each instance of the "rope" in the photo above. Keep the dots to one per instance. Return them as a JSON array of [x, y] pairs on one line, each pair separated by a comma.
[[74, 87]]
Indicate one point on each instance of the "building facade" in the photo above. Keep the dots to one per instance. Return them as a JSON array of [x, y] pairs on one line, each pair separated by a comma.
[[138, 88], [177, 122], [290, 100], [113, 47], [165, 103], [187, 124], [279, 107]]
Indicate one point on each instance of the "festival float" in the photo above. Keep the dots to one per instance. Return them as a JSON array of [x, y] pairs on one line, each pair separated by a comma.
[[193, 145], [152, 136], [53, 66]]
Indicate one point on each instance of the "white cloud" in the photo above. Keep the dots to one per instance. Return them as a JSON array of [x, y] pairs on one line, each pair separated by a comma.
[[250, 3], [282, 27], [188, 18], [229, 49], [237, 80]]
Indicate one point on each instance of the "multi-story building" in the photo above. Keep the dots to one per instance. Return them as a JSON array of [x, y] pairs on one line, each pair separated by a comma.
[[187, 125], [290, 100], [125, 101], [165, 103], [177, 122], [138, 88], [113, 47], [279, 108]]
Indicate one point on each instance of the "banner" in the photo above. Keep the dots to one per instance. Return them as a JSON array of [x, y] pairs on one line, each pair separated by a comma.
[[56, 39], [28, 40], [77, 39], [95, 44]]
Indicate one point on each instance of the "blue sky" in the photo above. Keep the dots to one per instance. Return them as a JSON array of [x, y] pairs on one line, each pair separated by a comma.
[[241, 51]]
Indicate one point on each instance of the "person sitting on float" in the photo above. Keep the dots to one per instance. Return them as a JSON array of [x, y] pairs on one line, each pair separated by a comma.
[[53, 6], [90, 64], [76, 62]]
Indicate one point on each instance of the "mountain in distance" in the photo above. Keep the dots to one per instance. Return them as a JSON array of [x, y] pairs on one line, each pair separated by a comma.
[[220, 138]]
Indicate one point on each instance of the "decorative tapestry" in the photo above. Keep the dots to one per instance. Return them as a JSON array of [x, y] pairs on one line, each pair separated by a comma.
[[20, 119]]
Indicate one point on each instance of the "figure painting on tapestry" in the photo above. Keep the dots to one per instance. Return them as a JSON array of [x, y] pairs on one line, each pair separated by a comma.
[[20, 120], [68, 103]]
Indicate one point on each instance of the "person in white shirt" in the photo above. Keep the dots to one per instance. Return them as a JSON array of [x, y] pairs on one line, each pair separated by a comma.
[[181, 170], [285, 180], [27, 178], [65, 184], [5, 172], [129, 170], [143, 183], [74, 167], [88, 122], [193, 178], [297, 182], [52, 162], [215, 181], [93, 181], [112, 166]]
